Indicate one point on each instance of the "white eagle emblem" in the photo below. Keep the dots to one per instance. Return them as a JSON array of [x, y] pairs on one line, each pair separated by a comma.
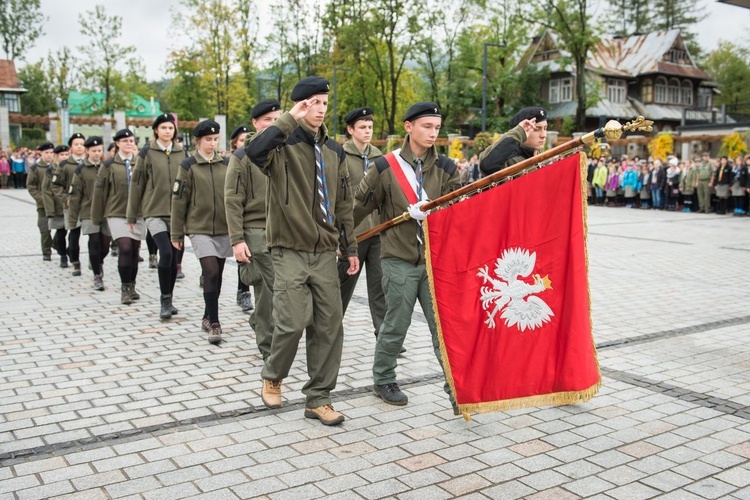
[[511, 296]]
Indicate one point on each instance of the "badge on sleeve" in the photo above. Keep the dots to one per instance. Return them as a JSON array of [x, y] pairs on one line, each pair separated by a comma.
[[70, 189], [54, 179], [177, 187]]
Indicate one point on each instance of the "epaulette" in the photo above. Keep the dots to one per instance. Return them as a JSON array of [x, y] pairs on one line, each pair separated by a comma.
[[188, 162], [79, 168], [144, 150], [239, 153], [446, 164], [109, 162], [382, 164], [335, 146], [225, 160]]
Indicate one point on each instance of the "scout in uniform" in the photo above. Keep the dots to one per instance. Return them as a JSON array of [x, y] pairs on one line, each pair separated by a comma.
[[360, 156], [53, 207], [110, 202], [150, 195], [198, 211], [310, 217], [37, 174], [703, 186], [403, 181], [245, 201], [244, 297], [526, 138], [61, 180], [80, 195]]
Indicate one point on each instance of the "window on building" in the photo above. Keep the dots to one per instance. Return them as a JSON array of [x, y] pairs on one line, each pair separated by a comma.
[[687, 93], [677, 56], [660, 94], [617, 91], [674, 91], [647, 91], [704, 98], [11, 101], [560, 90]]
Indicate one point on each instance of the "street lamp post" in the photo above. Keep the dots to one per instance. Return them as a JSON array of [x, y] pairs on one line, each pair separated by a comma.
[[335, 102], [484, 82]]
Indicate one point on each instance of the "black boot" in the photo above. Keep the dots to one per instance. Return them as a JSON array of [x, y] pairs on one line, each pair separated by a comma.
[[64, 261], [76, 269], [391, 394], [166, 307]]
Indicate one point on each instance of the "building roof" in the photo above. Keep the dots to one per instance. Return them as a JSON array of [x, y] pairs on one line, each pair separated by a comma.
[[603, 108], [623, 57], [9, 78], [91, 103]]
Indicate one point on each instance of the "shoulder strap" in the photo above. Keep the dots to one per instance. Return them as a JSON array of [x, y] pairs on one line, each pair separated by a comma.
[[411, 196]]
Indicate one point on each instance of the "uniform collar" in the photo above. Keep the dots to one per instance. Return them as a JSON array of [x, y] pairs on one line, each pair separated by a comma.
[[407, 154]]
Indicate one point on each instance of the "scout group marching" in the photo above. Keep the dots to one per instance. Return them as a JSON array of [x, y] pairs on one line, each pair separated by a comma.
[[287, 204]]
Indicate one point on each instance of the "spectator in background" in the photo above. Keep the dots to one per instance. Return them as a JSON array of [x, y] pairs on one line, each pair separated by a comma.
[[721, 181], [644, 186], [672, 189], [630, 184], [600, 179], [18, 169], [4, 171], [739, 175], [658, 181], [688, 183], [612, 185]]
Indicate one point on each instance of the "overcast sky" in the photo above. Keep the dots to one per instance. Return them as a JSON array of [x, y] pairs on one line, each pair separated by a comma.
[[147, 24]]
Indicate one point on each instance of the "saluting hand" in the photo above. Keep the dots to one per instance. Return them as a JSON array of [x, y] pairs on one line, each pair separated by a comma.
[[528, 126], [241, 252], [301, 109]]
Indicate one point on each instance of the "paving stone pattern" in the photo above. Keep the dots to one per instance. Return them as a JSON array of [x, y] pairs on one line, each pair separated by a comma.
[[102, 400]]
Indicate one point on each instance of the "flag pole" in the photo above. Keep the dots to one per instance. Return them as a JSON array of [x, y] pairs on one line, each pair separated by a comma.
[[612, 130]]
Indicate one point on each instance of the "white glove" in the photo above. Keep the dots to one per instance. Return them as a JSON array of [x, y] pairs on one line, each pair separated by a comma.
[[415, 211]]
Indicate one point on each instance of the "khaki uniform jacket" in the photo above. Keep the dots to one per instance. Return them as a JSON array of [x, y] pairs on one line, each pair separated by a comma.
[[286, 151], [380, 189], [151, 181], [34, 182], [53, 206], [705, 171], [244, 196], [688, 180], [355, 164], [81, 192], [110, 190], [198, 197], [506, 151], [62, 178]]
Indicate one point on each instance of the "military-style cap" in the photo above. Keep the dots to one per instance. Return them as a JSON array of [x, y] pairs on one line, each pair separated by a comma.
[[93, 141], [206, 127], [705, 153], [111, 146], [420, 110], [61, 149], [163, 118], [239, 130], [308, 87], [45, 146], [528, 113], [358, 114], [122, 134], [264, 107], [77, 135]]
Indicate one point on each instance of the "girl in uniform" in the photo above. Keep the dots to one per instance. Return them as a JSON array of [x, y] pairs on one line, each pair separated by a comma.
[[155, 171], [111, 202], [198, 211], [244, 297], [80, 195]]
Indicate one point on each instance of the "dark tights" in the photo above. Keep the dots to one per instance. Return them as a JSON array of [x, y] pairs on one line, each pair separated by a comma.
[[241, 287], [167, 262], [74, 250], [127, 263], [150, 243], [212, 268], [98, 250], [60, 242]]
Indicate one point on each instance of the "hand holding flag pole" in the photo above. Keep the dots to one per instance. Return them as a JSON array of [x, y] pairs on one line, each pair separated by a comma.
[[613, 130]]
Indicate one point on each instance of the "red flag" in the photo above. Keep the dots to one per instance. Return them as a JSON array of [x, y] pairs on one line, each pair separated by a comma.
[[509, 272]]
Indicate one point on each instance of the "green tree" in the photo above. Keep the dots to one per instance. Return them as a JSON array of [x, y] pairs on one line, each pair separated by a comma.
[[577, 33], [60, 68], [21, 23], [629, 17], [106, 58], [39, 99], [188, 93], [729, 65], [678, 14]]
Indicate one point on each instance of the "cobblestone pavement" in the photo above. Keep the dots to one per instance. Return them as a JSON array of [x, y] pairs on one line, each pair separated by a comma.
[[101, 400]]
